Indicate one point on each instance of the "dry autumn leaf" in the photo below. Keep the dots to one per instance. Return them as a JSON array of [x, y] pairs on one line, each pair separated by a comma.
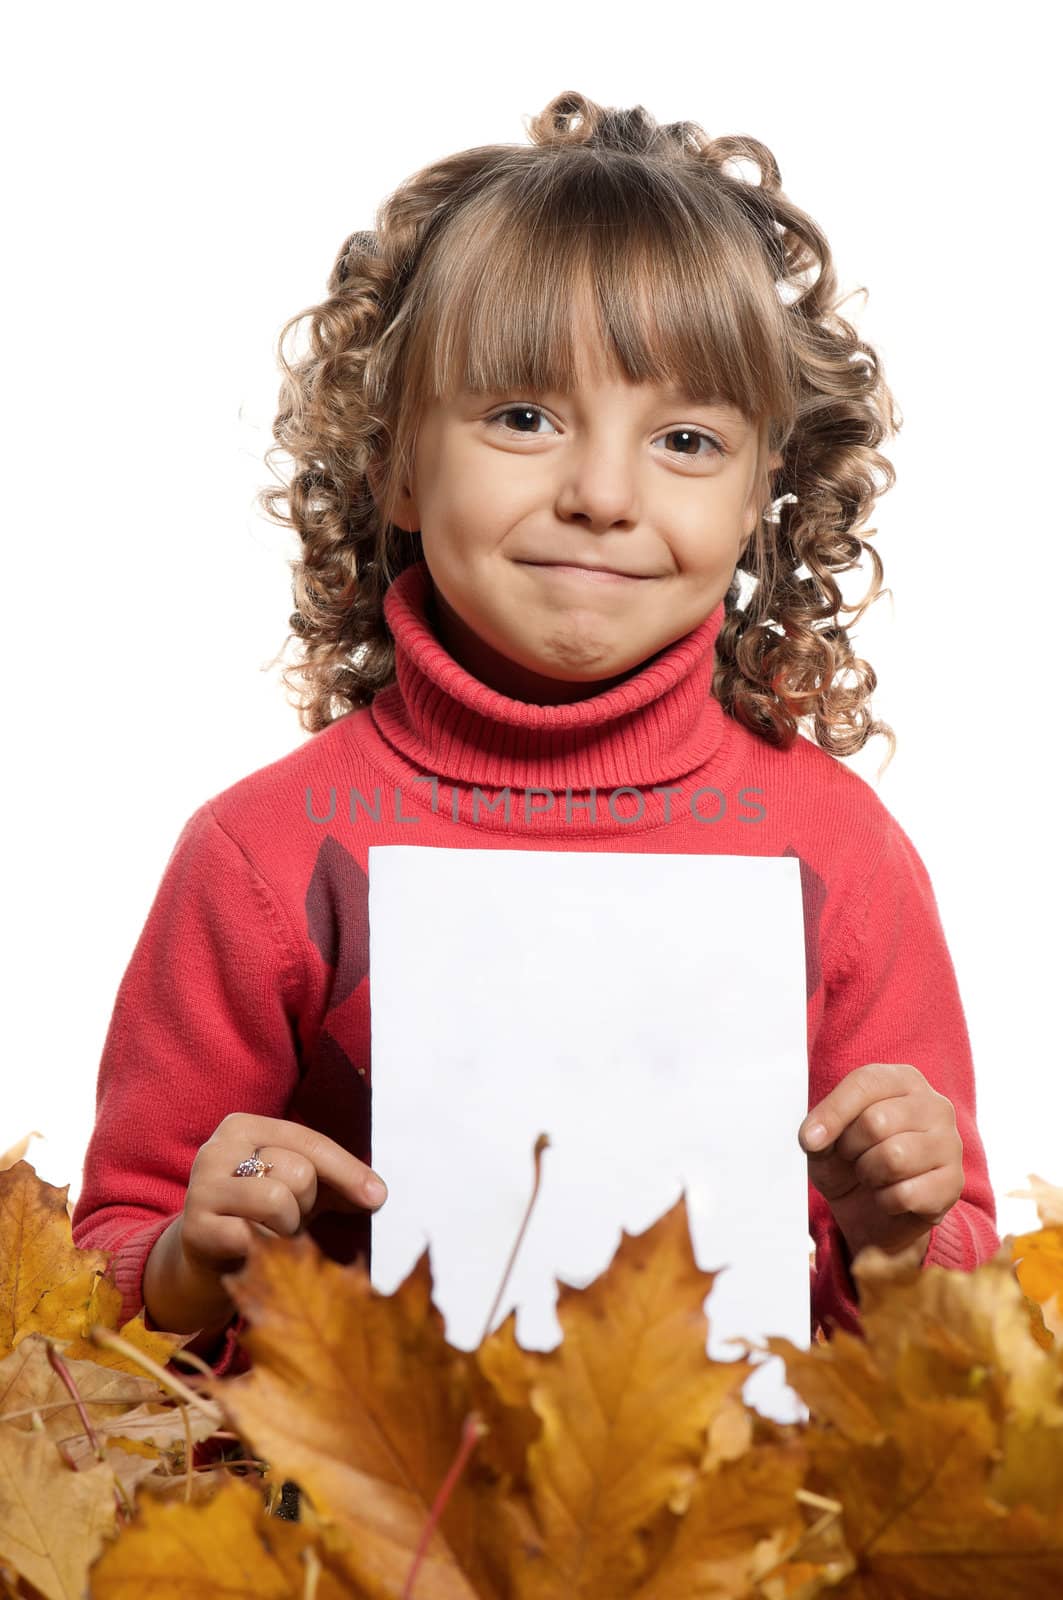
[[940, 1432], [228, 1546], [52, 1521], [1038, 1257], [125, 1412], [66, 1464], [622, 1465], [359, 1398], [46, 1283], [625, 1402], [49, 1286], [593, 1450]]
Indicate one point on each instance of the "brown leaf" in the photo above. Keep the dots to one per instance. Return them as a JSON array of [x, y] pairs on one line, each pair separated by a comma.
[[29, 1383], [625, 1402], [359, 1399], [141, 1431], [742, 1519], [941, 1432], [164, 1427], [52, 1521], [49, 1286], [46, 1283], [227, 1546], [104, 1307]]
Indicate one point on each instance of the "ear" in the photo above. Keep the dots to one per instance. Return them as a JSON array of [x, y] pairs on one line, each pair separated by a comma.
[[404, 514]]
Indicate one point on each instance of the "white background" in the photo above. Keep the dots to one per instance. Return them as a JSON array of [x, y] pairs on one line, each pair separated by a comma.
[[178, 182]]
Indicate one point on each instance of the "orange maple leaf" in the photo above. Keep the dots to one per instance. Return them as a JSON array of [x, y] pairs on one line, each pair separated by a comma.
[[940, 1432], [49, 1286], [359, 1399], [226, 1546], [625, 1402]]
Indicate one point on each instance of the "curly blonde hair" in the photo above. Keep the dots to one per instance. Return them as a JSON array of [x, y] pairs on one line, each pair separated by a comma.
[[701, 277]]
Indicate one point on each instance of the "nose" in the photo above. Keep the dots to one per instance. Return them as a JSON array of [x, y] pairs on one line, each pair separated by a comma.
[[600, 486]]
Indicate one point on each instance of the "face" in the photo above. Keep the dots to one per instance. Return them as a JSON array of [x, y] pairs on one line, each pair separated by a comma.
[[508, 488]]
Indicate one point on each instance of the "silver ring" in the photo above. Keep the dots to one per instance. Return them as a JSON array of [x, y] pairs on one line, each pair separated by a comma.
[[253, 1167]]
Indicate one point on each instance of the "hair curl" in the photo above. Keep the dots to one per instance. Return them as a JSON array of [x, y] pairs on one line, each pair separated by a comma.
[[701, 277]]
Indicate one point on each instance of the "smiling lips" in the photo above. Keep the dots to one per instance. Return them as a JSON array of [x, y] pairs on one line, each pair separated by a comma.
[[594, 574]]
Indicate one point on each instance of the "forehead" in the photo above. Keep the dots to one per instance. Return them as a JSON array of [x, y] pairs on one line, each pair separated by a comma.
[[578, 279], [589, 367]]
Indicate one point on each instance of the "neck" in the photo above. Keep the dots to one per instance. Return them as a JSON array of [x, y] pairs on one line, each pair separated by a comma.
[[659, 723]]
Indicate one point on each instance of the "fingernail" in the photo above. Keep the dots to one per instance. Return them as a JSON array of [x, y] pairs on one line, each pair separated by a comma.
[[815, 1136], [375, 1191]]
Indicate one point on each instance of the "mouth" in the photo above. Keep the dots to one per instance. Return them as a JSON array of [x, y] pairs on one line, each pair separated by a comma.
[[566, 569]]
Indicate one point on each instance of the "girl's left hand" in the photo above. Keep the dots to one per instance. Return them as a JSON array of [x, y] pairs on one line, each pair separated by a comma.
[[890, 1165]]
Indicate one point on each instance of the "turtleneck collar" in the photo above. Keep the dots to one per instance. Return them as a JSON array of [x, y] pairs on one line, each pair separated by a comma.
[[657, 726]]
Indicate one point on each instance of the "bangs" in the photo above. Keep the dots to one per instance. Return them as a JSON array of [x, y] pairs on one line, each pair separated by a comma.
[[668, 280]]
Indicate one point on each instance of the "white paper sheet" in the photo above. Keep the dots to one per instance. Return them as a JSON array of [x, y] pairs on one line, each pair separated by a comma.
[[648, 1013]]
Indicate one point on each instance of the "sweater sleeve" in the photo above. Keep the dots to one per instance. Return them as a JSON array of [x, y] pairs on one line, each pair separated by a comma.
[[894, 997], [205, 1023]]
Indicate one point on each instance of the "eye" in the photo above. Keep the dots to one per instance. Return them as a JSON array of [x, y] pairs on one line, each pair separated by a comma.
[[690, 435], [696, 435], [520, 411]]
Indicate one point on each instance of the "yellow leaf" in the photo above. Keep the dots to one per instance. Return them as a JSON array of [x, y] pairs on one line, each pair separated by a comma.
[[359, 1399], [227, 1546], [1038, 1259], [52, 1521], [46, 1283], [742, 1518], [625, 1403], [940, 1431], [29, 1383], [48, 1286], [104, 1308]]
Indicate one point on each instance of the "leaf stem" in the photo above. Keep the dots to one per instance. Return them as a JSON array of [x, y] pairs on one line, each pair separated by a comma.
[[542, 1143], [312, 1562], [167, 1380], [60, 1368], [472, 1431], [63, 1405]]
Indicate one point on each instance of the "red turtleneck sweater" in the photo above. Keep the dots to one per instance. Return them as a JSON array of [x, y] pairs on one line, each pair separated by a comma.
[[248, 989]]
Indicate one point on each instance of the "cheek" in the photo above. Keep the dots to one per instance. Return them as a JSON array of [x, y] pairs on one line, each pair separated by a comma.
[[467, 501], [706, 550]]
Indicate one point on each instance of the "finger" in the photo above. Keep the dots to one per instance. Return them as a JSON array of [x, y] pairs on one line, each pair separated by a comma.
[[931, 1196], [218, 1161], [295, 1171], [219, 1244], [265, 1200], [905, 1156], [262, 1231], [885, 1119], [860, 1088], [330, 1160], [832, 1175]]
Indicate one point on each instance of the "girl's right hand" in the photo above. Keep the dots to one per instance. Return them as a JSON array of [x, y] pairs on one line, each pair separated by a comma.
[[310, 1174]]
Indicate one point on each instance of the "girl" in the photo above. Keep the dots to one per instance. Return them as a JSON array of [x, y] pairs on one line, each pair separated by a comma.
[[580, 444]]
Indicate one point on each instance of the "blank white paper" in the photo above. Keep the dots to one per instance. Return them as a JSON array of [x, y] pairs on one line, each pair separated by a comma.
[[648, 1013]]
